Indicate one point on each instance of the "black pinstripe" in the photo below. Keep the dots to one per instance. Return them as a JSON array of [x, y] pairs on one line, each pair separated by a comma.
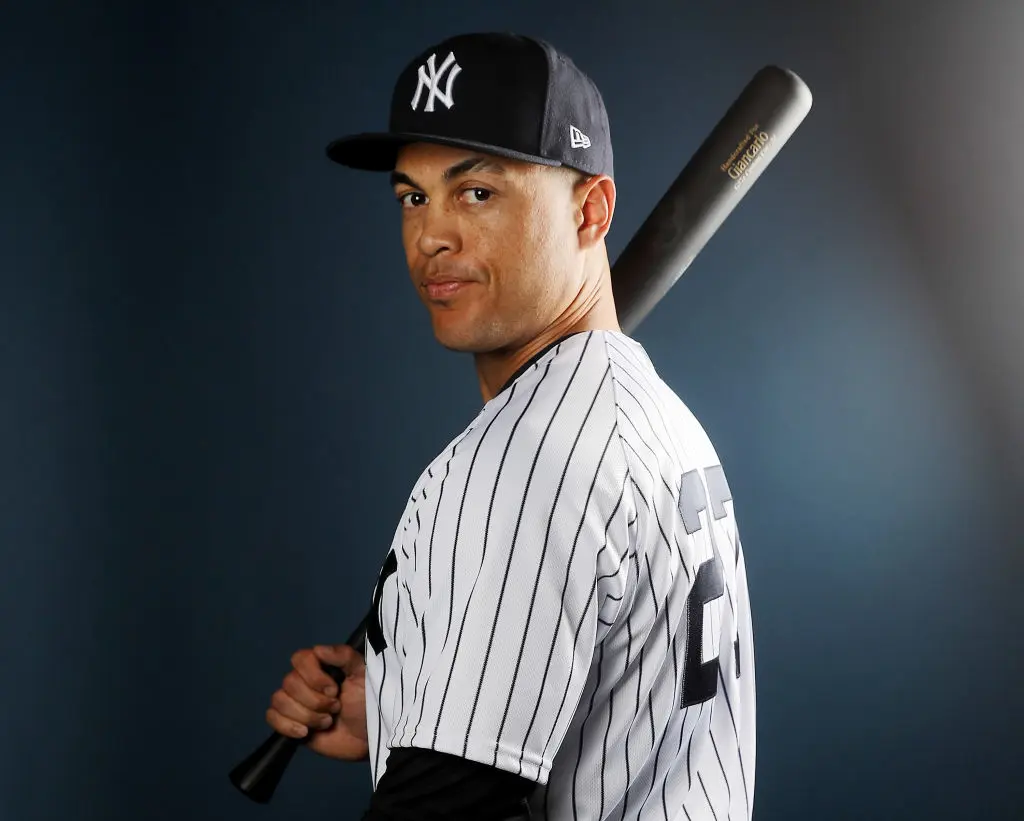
[[416, 686], [380, 718], [440, 497], [725, 777], [739, 753], [708, 797], [636, 708], [650, 583], [416, 539], [670, 641], [604, 747], [675, 700], [689, 746], [394, 643], [616, 573], [629, 652], [583, 726]]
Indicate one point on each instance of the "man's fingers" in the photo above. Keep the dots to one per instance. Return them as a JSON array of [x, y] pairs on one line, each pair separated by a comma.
[[292, 710], [341, 655], [307, 665], [296, 687], [285, 726]]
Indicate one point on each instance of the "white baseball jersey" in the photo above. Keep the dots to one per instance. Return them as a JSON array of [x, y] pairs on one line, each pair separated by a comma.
[[565, 598]]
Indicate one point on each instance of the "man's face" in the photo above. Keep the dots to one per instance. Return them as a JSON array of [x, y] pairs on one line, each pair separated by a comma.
[[491, 244]]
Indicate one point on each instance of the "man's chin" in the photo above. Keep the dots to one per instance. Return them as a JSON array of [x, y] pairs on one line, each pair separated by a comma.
[[463, 337], [460, 344]]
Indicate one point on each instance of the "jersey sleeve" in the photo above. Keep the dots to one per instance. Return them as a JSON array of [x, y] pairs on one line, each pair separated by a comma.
[[535, 509]]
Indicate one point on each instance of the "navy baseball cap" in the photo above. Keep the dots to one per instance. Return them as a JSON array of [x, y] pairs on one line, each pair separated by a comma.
[[499, 93]]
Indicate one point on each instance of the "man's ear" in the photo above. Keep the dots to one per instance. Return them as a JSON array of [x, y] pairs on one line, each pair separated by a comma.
[[596, 206]]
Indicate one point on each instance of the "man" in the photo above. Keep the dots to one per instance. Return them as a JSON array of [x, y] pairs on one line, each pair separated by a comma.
[[561, 627]]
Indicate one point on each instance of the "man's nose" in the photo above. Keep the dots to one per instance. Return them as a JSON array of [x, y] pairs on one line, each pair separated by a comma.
[[440, 231]]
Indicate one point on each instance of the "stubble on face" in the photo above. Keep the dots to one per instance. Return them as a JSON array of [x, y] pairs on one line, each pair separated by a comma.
[[490, 244]]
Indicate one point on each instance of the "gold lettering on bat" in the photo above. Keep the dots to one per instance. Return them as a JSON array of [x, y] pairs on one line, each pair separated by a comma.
[[739, 167], [741, 146]]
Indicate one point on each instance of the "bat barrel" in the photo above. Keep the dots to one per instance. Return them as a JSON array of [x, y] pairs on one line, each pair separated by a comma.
[[717, 177]]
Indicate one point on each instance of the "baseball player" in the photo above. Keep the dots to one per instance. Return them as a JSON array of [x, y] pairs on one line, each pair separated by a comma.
[[561, 627]]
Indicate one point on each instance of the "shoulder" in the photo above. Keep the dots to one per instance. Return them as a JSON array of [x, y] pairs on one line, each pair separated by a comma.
[[657, 426], [580, 363], [567, 391], [562, 407]]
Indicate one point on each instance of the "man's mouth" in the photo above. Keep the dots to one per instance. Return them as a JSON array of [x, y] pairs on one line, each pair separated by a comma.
[[445, 290]]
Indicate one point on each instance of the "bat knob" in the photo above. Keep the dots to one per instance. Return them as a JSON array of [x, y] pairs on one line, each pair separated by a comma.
[[258, 775]]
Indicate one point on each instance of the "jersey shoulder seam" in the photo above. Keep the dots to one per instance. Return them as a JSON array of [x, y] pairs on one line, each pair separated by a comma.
[[618, 412], [622, 447]]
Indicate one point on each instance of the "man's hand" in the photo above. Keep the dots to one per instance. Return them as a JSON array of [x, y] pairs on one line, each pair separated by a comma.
[[308, 703]]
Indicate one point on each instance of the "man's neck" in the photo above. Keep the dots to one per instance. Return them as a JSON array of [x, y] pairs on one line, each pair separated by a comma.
[[494, 370]]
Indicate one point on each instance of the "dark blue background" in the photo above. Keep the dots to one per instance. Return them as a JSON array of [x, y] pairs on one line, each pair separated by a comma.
[[218, 388]]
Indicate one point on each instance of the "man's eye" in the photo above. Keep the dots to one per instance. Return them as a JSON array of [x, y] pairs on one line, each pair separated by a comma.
[[411, 199], [479, 194]]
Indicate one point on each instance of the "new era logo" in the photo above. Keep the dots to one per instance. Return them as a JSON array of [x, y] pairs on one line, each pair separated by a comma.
[[430, 77], [577, 139]]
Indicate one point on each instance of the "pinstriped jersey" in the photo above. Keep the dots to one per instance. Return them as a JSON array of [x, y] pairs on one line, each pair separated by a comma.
[[565, 598]]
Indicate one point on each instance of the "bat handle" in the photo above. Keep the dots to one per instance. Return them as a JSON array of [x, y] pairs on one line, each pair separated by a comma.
[[258, 775]]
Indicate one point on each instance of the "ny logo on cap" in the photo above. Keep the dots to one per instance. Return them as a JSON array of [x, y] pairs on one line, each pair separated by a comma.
[[431, 81]]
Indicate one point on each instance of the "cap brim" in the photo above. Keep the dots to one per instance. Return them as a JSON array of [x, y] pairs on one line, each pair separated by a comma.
[[379, 152]]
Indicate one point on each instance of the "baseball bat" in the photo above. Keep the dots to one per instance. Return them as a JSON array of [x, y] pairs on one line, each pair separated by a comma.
[[719, 174]]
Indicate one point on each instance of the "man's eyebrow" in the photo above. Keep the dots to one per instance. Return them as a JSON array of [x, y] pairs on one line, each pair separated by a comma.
[[473, 164], [464, 167], [397, 177]]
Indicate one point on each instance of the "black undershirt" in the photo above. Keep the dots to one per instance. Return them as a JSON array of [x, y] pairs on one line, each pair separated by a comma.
[[424, 785]]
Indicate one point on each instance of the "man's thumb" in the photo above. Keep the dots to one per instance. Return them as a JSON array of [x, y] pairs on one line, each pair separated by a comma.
[[340, 655]]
